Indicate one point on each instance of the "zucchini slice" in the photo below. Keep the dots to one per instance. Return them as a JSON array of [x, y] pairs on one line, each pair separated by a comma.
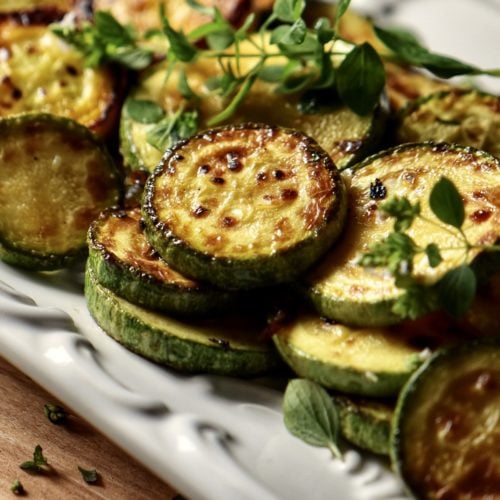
[[55, 178], [344, 135], [366, 423], [244, 207], [43, 74], [446, 429], [226, 346], [123, 261], [463, 116], [341, 289], [39, 11]]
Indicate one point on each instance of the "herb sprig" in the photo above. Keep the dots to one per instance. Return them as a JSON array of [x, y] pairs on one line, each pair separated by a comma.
[[39, 463], [456, 290], [285, 51]]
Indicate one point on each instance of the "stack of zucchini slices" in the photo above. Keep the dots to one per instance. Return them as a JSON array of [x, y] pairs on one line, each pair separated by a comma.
[[227, 214]]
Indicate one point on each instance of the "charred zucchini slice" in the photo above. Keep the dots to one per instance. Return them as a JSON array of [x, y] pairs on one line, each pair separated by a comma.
[[341, 289], [43, 74], [228, 346], [364, 361], [55, 178], [366, 423], [446, 430], [344, 135], [463, 116], [244, 207], [40, 11], [123, 261]]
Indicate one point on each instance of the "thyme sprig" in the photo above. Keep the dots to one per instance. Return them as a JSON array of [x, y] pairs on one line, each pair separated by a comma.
[[456, 290]]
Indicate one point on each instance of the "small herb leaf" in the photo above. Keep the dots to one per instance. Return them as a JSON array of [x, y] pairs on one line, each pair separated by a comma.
[[17, 488], [179, 44], [311, 415], [433, 255], [144, 111], [361, 78], [90, 476], [55, 413], [39, 462], [456, 290], [446, 203], [288, 10]]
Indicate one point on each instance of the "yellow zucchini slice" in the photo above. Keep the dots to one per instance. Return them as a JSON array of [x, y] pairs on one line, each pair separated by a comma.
[[226, 346], [463, 116], [446, 429], [55, 178], [43, 74], [244, 206], [343, 290], [344, 135], [123, 261]]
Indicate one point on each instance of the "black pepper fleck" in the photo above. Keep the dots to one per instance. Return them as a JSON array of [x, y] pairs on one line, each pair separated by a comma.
[[218, 180], [377, 190]]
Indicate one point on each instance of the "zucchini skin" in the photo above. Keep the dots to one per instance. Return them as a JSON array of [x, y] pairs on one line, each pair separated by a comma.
[[140, 286], [104, 192], [277, 267], [427, 382], [132, 327]]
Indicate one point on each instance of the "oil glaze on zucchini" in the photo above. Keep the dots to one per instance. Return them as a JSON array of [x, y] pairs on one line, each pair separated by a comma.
[[245, 206]]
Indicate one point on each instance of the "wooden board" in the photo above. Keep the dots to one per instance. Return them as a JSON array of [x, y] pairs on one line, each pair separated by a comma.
[[23, 425]]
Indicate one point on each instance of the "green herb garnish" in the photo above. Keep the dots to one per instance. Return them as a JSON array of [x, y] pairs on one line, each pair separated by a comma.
[[39, 463], [55, 413], [90, 476], [456, 290], [311, 415], [17, 488]]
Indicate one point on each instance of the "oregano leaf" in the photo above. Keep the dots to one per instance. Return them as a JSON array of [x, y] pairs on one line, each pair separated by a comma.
[[433, 255], [179, 44], [456, 290], [90, 476], [288, 11], [311, 415], [144, 110], [446, 203], [361, 78]]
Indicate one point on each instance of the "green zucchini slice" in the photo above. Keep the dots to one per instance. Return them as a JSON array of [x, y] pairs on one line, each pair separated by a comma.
[[40, 73], [341, 289], [124, 262], [366, 423], [245, 206], [55, 179], [226, 346], [344, 135], [446, 429], [463, 116], [364, 361]]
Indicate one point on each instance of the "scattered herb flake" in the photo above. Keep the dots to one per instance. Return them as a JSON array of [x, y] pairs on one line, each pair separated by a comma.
[[17, 488], [39, 463], [90, 476], [55, 413]]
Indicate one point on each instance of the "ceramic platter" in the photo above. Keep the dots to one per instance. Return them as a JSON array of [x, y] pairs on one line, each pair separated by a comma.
[[210, 437]]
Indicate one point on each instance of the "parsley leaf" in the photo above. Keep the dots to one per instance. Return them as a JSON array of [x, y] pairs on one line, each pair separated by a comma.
[[38, 464], [90, 476]]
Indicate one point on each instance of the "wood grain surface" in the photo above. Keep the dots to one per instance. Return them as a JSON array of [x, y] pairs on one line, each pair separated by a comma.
[[23, 425]]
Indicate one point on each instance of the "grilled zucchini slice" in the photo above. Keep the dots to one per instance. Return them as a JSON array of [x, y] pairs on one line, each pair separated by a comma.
[[55, 178], [40, 11], [123, 261], [446, 429], [341, 289], [228, 346], [344, 135], [463, 116], [366, 423], [43, 74], [244, 207], [365, 361]]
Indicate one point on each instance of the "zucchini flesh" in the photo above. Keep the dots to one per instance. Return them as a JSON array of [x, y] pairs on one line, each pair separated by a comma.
[[123, 261], [463, 116], [446, 431], [43, 74], [343, 290], [55, 178], [226, 346], [344, 135], [244, 207]]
